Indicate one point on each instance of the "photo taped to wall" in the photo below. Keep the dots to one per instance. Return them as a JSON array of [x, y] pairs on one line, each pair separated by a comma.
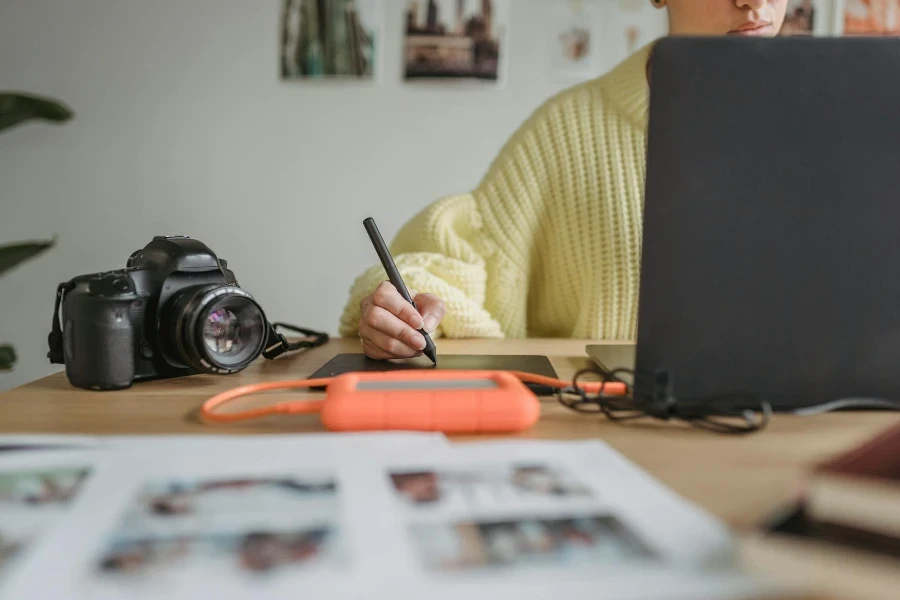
[[575, 39], [872, 17], [329, 38], [461, 40]]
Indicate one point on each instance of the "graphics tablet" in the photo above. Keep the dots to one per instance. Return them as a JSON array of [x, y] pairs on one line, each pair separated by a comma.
[[353, 363]]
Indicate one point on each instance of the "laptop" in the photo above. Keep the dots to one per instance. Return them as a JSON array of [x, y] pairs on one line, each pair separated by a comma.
[[771, 234]]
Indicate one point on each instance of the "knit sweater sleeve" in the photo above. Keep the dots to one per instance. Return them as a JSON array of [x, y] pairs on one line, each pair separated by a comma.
[[475, 250]]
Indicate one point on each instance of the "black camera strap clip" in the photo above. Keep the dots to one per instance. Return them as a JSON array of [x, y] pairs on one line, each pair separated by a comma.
[[55, 339], [277, 344]]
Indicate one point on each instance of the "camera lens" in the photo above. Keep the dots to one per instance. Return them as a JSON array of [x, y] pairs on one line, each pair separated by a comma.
[[222, 332], [215, 328]]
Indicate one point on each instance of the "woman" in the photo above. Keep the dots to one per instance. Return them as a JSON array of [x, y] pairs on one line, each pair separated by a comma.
[[548, 244]]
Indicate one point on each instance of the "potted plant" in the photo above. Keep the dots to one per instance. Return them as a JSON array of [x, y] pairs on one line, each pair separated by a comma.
[[15, 109]]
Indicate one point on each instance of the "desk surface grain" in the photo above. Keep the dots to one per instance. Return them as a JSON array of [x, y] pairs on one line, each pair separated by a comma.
[[740, 479]]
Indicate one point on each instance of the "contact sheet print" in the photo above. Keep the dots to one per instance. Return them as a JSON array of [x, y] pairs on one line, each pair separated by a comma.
[[402, 520], [515, 515], [211, 516], [551, 504], [179, 532], [35, 496]]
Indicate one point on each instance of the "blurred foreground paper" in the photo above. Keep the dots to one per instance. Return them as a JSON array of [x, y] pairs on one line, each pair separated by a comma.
[[329, 38], [37, 489], [21, 442], [314, 518]]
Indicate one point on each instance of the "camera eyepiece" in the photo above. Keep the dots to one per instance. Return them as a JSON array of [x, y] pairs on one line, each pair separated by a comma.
[[215, 328]]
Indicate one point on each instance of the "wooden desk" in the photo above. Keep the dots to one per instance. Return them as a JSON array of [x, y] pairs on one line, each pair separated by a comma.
[[740, 479]]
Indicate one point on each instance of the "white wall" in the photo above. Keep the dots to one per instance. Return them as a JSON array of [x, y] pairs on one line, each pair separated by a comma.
[[183, 126]]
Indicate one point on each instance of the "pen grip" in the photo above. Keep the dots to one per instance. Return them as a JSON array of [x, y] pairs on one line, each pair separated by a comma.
[[394, 276], [387, 261]]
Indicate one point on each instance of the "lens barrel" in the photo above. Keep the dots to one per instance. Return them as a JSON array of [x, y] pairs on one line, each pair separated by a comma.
[[215, 328]]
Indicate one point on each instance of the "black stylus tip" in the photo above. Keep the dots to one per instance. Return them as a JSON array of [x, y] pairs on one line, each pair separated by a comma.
[[430, 353]]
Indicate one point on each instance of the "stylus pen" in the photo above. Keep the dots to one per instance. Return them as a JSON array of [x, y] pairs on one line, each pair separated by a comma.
[[394, 275]]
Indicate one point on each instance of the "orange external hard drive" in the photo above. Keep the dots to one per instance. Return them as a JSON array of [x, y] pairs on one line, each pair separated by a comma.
[[448, 401]]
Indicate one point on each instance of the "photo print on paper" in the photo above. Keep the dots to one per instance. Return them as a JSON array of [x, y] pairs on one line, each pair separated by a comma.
[[31, 500], [487, 486], [250, 552], [329, 39], [236, 526], [173, 498], [454, 39], [527, 543]]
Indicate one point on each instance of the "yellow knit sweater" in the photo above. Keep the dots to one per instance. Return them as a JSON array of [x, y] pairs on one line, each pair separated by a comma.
[[548, 244]]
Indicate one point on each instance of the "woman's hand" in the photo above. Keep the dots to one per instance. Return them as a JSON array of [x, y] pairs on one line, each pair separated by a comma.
[[389, 324]]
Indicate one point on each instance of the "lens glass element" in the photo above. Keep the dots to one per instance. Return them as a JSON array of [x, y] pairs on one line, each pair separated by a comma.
[[232, 330], [222, 332]]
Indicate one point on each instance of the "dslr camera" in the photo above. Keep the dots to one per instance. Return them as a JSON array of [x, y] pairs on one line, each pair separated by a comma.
[[175, 309]]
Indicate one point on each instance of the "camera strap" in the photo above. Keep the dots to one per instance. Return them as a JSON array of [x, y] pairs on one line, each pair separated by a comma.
[[277, 344], [55, 339]]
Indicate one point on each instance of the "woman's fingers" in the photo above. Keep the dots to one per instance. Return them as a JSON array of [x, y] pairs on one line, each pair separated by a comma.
[[375, 352], [400, 341], [387, 297], [389, 325], [432, 309]]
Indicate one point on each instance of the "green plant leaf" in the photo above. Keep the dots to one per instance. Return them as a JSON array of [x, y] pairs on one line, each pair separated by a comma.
[[16, 108], [13, 254], [7, 357]]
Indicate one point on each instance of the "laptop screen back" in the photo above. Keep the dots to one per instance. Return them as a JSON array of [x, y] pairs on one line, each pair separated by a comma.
[[771, 248]]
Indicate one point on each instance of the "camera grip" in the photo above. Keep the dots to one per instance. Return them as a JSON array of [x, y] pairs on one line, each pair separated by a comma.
[[98, 342]]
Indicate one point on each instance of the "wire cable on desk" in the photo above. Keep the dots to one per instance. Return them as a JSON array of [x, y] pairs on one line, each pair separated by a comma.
[[611, 396], [716, 413], [848, 403]]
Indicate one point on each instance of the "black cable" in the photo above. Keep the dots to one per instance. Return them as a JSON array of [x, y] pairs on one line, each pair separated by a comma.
[[848, 403], [277, 344], [715, 413]]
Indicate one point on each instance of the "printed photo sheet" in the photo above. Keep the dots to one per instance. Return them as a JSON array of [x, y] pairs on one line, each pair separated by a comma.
[[136, 503], [38, 490], [473, 520], [553, 518]]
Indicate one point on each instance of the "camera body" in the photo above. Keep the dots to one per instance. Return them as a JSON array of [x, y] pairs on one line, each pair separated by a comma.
[[174, 310]]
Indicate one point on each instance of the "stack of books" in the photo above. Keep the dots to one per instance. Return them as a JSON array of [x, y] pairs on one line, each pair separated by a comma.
[[842, 535]]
